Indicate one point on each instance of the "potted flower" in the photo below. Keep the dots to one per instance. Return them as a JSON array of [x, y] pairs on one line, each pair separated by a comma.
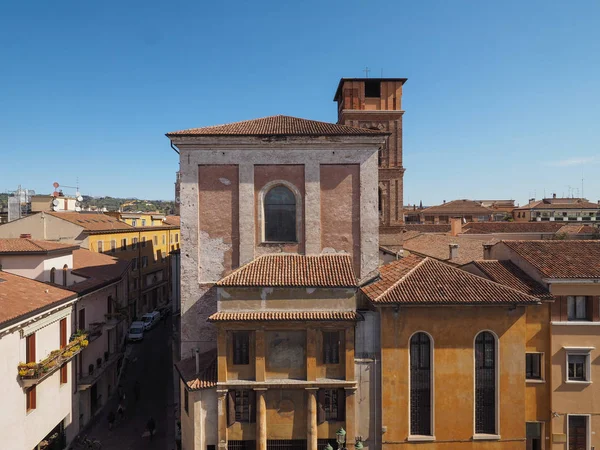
[[84, 343]]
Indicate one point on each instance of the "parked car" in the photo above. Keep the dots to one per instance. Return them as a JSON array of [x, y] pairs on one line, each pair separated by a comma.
[[150, 319], [164, 311], [136, 331]]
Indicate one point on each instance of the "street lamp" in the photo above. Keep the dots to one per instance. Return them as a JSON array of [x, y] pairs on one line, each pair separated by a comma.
[[359, 445], [328, 446], [340, 437]]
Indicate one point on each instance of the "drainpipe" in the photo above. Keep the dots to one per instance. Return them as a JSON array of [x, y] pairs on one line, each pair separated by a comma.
[[176, 151]]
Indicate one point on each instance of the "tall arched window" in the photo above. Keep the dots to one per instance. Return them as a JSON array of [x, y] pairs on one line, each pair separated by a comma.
[[65, 267], [485, 383], [280, 215], [420, 385], [52, 275]]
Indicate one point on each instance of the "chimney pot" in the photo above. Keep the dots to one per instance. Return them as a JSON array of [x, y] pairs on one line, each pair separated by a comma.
[[453, 251], [487, 251], [25, 236]]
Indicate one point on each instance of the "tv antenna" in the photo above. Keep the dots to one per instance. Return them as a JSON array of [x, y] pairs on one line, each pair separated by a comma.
[[366, 70]]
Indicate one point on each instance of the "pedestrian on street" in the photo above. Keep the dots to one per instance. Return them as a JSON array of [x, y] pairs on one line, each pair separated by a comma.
[[121, 411], [151, 427], [111, 420], [164, 320]]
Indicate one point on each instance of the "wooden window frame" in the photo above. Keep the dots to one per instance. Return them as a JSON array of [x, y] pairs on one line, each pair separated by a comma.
[[529, 374], [331, 405], [31, 399], [30, 348], [64, 374], [587, 310], [331, 347], [236, 400], [124, 244], [240, 345], [64, 274]]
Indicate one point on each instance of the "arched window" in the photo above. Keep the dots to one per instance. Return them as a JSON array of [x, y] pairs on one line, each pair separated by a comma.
[[420, 385], [65, 267], [52, 275], [280, 215], [485, 383]]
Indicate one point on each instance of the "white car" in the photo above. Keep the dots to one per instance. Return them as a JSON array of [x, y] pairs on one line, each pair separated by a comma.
[[150, 319], [136, 331]]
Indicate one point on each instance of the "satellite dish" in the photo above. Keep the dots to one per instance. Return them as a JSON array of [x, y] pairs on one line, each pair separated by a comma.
[[55, 202], [77, 194], [79, 197], [55, 208], [78, 208]]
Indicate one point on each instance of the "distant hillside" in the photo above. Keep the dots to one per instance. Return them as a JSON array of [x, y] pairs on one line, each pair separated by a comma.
[[114, 203]]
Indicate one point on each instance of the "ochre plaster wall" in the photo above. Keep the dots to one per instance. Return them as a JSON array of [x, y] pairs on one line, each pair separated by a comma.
[[218, 219], [340, 209], [293, 174], [285, 354], [453, 330], [286, 414]]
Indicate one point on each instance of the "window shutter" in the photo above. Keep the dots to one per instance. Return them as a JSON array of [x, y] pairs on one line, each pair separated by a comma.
[[589, 308], [252, 405], [230, 408], [320, 406], [341, 405]]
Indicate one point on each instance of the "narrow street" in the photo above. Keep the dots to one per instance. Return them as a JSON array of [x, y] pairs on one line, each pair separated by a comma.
[[150, 363]]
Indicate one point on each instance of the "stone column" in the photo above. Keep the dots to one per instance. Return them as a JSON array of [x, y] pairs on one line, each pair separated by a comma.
[[261, 419], [222, 419], [246, 212], [311, 426], [259, 359], [350, 417]]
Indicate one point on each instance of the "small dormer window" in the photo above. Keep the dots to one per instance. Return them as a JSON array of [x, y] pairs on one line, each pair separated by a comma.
[[280, 215]]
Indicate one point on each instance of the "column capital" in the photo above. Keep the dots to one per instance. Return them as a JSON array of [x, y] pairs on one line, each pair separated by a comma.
[[312, 388], [263, 389]]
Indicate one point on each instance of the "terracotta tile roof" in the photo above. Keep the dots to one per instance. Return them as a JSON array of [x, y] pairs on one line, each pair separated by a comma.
[[426, 228], [508, 274], [560, 259], [98, 269], [23, 245], [389, 274], [207, 377], [438, 246], [173, 220], [556, 205], [20, 296], [287, 316], [278, 126], [330, 270], [578, 229], [511, 227], [430, 282], [92, 221], [458, 207]]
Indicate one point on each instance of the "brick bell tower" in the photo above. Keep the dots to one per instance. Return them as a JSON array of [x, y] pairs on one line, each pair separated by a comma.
[[377, 103]]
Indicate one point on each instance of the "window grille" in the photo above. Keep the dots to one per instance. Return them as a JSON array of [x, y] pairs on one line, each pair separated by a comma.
[[280, 215], [420, 385], [241, 445], [533, 363], [241, 347], [331, 404], [242, 406], [331, 347], [577, 433], [485, 383], [286, 444]]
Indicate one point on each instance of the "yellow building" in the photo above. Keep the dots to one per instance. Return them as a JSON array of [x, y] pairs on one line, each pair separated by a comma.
[[453, 349]]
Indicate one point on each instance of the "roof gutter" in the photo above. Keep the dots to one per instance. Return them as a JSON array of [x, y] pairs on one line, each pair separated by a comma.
[[176, 151]]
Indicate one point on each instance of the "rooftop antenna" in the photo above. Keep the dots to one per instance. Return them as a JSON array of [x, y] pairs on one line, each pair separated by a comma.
[[582, 185], [366, 70], [381, 73]]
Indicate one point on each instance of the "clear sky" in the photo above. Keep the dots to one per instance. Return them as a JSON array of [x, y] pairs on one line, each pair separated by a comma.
[[502, 98]]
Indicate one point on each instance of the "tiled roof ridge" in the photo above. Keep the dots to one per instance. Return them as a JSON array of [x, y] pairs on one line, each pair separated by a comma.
[[335, 129], [404, 277]]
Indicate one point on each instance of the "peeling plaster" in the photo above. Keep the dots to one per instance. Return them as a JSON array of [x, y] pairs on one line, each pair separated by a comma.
[[333, 250], [225, 181], [212, 258], [310, 290]]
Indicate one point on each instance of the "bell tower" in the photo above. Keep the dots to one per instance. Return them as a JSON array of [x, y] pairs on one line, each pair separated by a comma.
[[377, 103]]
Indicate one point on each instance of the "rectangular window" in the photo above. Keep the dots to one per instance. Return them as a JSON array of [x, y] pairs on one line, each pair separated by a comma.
[[170, 239], [372, 89], [331, 405], [124, 244], [331, 347], [533, 363], [134, 264], [186, 401], [134, 243], [100, 246], [578, 367], [30, 348], [578, 434], [164, 239], [81, 322], [155, 240], [579, 308], [241, 347], [242, 406], [63, 374], [533, 431], [31, 398], [133, 223], [113, 246], [176, 237], [144, 261], [135, 283], [143, 222], [143, 241]]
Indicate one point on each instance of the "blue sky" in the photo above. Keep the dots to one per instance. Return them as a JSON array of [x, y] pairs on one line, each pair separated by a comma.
[[502, 98]]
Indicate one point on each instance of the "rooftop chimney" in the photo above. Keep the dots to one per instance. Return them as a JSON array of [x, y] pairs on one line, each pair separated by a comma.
[[25, 236], [487, 251], [453, 251], [554, 195], [197, 350], [455, 226]]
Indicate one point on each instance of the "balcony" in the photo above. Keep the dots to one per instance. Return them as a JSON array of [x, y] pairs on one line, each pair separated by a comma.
[[33, 373], [113, 319], [86, 382]]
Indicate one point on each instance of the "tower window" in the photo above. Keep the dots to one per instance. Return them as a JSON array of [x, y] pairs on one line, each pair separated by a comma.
[[372, 89], [420, 385], [280, 215]]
